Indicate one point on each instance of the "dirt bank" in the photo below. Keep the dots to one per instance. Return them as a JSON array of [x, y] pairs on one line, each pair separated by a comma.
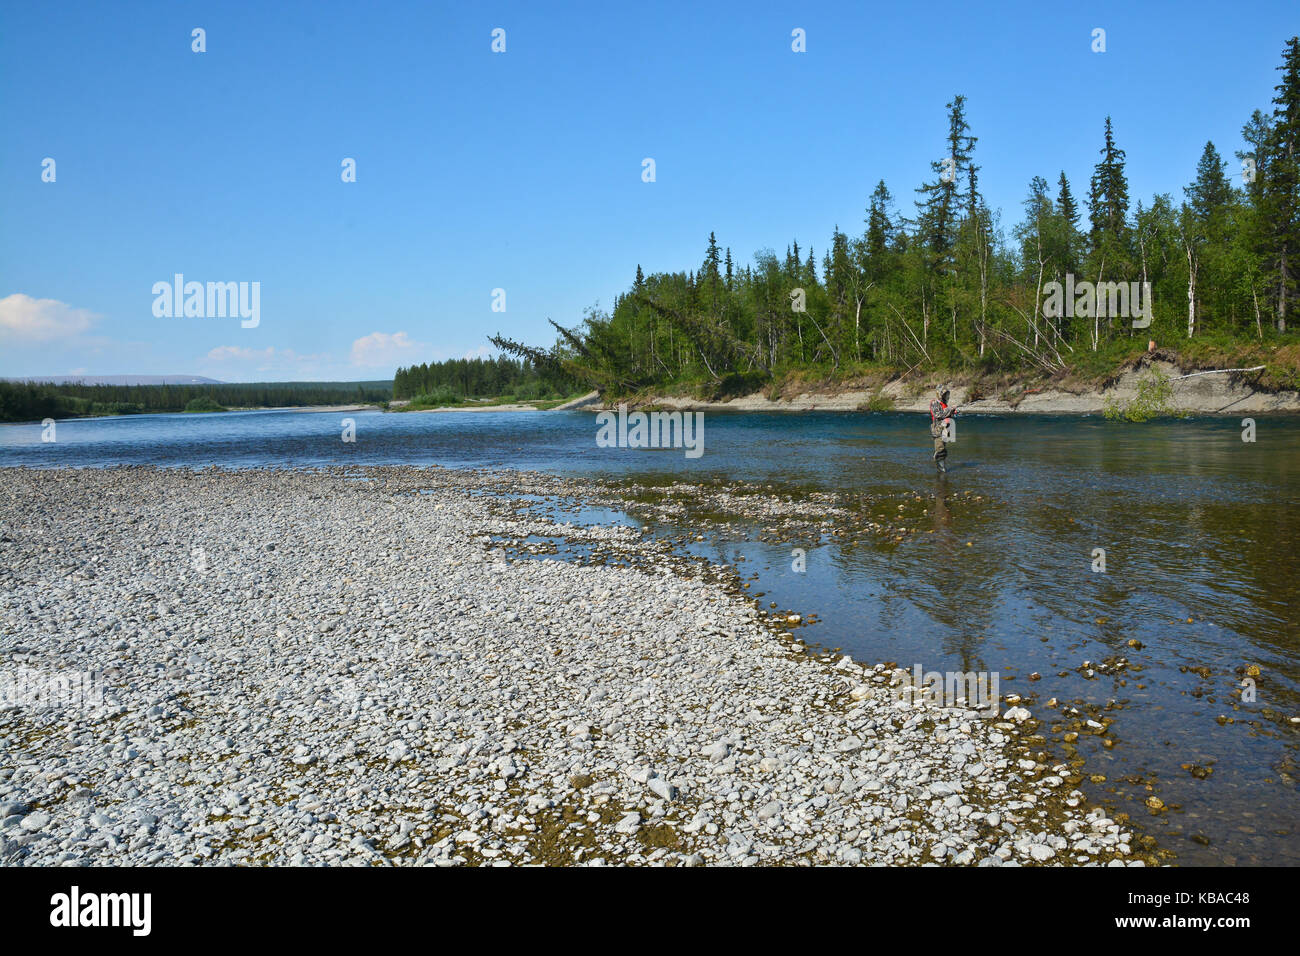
[[1193, 391]]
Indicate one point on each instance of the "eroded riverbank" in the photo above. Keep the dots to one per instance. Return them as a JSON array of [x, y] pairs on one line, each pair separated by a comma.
[[347, 667], [1193, 390]]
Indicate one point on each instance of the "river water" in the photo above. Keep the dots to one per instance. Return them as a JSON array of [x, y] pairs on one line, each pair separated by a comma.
[[1199, 530]]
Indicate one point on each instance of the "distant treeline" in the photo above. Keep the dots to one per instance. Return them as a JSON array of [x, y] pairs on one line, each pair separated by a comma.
[[26, 401], [484, 378]]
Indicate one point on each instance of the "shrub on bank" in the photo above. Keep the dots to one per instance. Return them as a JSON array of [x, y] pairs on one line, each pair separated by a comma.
[[1154, 399], [438, 398], [203, 403]]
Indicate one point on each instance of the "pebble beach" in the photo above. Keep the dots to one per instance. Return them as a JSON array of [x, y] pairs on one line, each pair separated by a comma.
[[346, 667]]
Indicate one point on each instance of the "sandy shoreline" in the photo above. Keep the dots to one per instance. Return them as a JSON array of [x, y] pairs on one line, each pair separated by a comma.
[[300, 667]]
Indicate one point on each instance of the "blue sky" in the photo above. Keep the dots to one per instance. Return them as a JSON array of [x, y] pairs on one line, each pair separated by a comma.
[[522, 170]]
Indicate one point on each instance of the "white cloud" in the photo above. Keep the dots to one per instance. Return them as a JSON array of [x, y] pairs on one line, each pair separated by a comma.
[[223, 353], [25, 319], [380, 349], [267, 359]]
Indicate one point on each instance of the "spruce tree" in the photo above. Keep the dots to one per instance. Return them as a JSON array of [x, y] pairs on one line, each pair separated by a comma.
[[1211, 193], [1068, 211], [712, 260], [879, 227], [938, 204], [1108, 215], [1108, 198], [1281, 191], [1065, 203]]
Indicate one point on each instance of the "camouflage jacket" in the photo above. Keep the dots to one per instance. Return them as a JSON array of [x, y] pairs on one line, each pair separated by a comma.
[[938, 412]]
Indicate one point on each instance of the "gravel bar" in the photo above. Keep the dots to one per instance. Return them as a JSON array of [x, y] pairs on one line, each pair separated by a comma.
[[344, 667]]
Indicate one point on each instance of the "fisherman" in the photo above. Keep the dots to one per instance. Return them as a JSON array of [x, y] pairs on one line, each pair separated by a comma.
[[940, 413]]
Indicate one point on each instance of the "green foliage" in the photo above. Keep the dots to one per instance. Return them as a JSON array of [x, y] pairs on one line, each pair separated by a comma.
[[484, 377], [1154, 399], [115, 408], [536, 391], [438, 398], [204, 403], [732, 385], [28, 401]]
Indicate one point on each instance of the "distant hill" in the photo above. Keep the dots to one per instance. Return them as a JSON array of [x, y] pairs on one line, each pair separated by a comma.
[[116, 380]]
